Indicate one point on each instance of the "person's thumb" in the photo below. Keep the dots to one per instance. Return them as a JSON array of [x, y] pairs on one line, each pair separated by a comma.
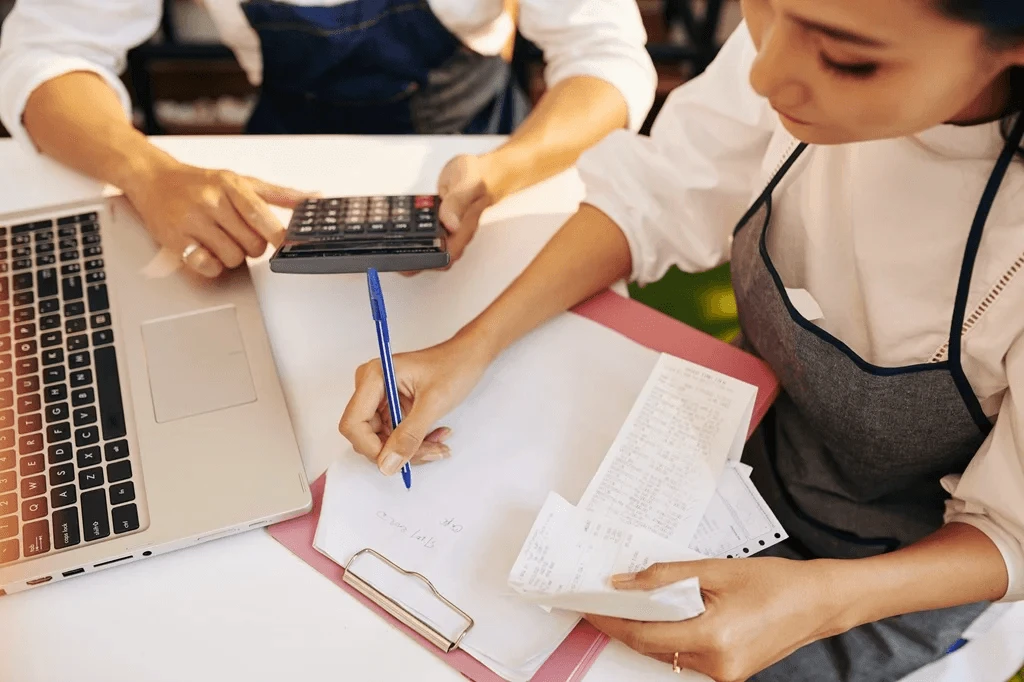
[[404, 442], [453, 208], [278, 195]]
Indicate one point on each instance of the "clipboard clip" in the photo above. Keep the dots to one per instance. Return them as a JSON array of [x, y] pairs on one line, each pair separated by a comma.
[[401, 613]]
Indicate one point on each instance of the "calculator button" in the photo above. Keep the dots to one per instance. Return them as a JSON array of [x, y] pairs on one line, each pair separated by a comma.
[[425, 226], [353, 228], [424, 202], [377, 227], [400, 226]]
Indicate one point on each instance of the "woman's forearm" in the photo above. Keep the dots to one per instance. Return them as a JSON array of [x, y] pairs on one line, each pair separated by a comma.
[[573, 115], [586, 256], [958, 564], [77, 119]]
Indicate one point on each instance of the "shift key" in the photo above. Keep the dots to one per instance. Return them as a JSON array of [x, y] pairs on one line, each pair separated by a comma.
[[98, 299], [46, 282], [95, 520]]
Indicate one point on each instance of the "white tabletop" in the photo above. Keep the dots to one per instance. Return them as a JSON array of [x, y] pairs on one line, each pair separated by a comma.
[[244, 608]]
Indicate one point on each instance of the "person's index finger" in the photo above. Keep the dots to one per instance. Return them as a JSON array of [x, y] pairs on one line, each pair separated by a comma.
[[357, 420], [286, 197], [255, 212], [651, 638]]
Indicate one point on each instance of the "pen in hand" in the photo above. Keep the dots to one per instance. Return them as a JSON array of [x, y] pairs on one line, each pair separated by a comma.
[[380, 319]]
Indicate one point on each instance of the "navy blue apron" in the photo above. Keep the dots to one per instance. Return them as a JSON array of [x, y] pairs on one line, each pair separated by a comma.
[[375, 67]]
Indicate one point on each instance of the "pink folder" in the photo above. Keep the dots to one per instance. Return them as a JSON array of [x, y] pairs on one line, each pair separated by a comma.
[[575, 656]]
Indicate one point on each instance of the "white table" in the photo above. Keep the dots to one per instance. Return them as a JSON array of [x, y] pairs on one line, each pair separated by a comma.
[[244, 608]]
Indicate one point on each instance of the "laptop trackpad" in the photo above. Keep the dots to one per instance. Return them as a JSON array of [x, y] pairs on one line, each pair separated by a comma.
[[197, 363]]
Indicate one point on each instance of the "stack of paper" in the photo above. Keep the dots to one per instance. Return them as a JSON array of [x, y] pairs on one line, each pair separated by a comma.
[[664, 479]]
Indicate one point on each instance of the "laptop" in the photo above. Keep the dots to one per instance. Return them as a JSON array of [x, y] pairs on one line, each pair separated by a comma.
[[138, 414]]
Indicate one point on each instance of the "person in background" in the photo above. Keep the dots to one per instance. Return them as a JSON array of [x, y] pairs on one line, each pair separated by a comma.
[[342, 67], [859, 164]]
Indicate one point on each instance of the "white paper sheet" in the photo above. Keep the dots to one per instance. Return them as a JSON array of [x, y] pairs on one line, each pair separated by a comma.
[[570, 554], [542, 419], [666, 461], [737, 521]]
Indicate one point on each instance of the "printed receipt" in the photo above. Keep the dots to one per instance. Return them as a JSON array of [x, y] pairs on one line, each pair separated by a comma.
[[570, 555]]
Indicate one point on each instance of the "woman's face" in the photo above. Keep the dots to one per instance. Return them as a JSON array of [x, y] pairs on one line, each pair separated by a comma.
[[841, 71]]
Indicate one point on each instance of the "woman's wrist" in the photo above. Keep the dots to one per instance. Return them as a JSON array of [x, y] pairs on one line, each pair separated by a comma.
[[837, 595], [138, 165], [503, 170]]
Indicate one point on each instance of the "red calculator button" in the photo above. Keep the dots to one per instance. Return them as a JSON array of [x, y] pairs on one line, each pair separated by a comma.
[[424, 202]]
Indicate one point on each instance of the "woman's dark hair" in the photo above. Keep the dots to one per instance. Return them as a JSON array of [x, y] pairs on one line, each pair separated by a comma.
[[1004, 22]]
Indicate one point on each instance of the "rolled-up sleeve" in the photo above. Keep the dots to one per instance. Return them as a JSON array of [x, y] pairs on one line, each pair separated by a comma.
[[677, 194], [44, 39], [604, 39], [990, 493]]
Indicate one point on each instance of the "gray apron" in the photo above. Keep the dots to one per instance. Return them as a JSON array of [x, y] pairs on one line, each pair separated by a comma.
[[851, 454]]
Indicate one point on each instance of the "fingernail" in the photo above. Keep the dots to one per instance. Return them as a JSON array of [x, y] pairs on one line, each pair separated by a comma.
[[623, 578], [441, 435], [436, 456], [391, 463]]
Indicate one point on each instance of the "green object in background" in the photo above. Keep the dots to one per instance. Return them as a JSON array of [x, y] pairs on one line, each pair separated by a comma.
[[704, 301]]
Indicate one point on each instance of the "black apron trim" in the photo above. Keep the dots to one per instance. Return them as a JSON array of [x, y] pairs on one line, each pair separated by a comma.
[[964, 285], [772, 184]]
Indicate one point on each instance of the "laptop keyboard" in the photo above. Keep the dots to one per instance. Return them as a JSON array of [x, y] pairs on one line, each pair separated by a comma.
[[65, 474]]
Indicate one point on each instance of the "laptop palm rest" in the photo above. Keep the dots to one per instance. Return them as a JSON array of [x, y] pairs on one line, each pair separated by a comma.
[[197, 363]]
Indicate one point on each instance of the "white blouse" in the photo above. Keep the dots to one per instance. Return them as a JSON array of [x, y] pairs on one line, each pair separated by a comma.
[[43, 39], [874, 231]]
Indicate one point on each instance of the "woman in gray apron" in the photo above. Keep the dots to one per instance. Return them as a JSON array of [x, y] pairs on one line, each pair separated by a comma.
[[857, 458]]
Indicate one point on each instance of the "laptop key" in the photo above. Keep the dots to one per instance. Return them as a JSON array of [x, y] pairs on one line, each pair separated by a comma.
[[36, 538], [7, 438], [117, 449], [5, 361], [22, 298], [71, 287], [85, 415], [76, 343], [56, 433], [102, 337], [53, 356], [30, 444], [56, 393], [88, 457], [98, 298], [52, 375], [23, 349], [22, 280], [87, 435], [9, 551], [90, 478], [6, 399], [49, 306], [119, 471], [34, 464], [7, 460], [66, 532], [126, 518], [46, 282], [56, 413], [95, 524], [76, 325], [27, 385], [47, 322], [59, 452], [6, 419], [81, 377], [79, 359], [32, 486], [108, 383], [8, 481], [6, 380], [83, 396], [74, 309], [63, 496], [33, 509], [27, 366], [62, 474], [9, 503], [122, 492], [99, 320], [8, 527], [29, 403], [30, 423], [25, 331]]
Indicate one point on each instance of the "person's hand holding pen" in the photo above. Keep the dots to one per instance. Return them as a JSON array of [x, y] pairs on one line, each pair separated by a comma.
[[431, 383]]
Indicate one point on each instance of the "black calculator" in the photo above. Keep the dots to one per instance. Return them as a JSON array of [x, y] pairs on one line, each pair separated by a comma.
[[351, 234]]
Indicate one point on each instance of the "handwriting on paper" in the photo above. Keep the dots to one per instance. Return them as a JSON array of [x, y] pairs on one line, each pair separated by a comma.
[[417, 535]]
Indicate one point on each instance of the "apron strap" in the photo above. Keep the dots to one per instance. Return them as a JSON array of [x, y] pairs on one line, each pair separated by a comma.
[[767, 193], [1010, 150]]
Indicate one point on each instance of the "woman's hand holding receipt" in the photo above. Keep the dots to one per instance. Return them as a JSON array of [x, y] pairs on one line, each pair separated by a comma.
[[758, 611]]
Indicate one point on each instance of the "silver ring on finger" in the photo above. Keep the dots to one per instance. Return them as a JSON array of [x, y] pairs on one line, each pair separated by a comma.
[[675, 664], [187, 252]]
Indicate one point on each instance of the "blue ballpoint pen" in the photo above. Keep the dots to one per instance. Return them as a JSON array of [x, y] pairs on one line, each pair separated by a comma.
[[380, 318]]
